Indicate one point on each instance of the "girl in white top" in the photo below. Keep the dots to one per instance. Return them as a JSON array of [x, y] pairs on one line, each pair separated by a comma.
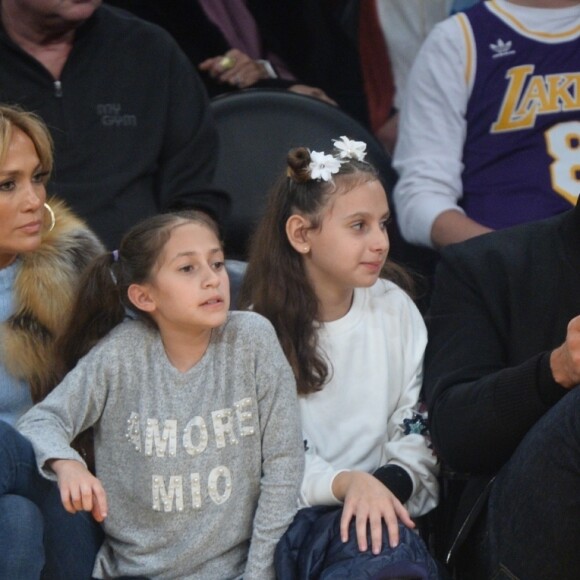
[[354, 340]]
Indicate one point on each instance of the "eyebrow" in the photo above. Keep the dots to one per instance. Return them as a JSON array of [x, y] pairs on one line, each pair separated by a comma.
[[11, 172], [363, 214], [16, 172], [194, 253]]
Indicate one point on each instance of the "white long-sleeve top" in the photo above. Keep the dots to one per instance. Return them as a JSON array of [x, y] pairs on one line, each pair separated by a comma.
[[405, 25], [366, 415], [428, 154]]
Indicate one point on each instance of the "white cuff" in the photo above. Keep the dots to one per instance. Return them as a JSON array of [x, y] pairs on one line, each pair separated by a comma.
[[269, 68]]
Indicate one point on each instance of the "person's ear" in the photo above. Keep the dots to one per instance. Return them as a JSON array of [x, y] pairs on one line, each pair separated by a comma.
[[140, 296], [297, 228]]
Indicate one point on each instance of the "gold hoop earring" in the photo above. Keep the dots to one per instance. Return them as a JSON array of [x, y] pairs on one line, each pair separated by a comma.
[[52, 217]]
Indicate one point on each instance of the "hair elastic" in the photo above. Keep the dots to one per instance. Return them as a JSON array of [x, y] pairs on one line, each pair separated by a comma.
[[115, 256]]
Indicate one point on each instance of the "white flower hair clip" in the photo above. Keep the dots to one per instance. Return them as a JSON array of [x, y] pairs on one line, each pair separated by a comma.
[[350, 149], [322, 166]]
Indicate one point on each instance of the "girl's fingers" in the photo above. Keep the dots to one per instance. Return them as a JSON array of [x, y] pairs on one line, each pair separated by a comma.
[[393, 528], [86, 497], [67, 501], [376, 524], [361, 532], [100, 507], [345, 523], [403, 515], [78, 498]]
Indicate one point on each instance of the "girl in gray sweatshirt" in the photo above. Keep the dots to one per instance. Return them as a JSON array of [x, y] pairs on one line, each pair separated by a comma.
[[197, 437]]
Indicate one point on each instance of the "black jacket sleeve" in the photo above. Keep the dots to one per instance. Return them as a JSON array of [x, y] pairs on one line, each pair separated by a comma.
[[487, 372]]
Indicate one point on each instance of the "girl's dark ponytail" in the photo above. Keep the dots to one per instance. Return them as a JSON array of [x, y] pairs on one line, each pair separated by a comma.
[[98, 308]]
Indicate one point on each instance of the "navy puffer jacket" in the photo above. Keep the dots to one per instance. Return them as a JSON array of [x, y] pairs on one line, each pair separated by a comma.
[[311, 549]]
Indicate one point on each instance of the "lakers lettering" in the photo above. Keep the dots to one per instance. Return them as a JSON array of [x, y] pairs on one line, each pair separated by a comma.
[[528, 95]]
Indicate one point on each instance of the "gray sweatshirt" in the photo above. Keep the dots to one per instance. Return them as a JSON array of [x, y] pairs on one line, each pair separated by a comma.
[[201, 469]]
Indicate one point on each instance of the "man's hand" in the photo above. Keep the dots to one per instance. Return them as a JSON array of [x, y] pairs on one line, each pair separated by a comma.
[[565, 360], [235, 68], [313, 92]]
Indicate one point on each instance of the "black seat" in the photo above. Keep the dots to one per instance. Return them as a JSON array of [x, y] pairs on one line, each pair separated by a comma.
[[257, 128]]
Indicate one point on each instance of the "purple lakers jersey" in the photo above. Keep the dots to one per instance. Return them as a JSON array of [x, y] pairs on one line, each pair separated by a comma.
[[522, 148]]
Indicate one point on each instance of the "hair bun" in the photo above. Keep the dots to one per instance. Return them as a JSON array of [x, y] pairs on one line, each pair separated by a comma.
[[298, 164]]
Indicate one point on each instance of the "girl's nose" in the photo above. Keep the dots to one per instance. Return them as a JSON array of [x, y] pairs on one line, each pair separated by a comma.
[[211, 277], [380, 241]]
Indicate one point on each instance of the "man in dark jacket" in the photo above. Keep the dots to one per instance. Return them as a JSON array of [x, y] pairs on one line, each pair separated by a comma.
[[128, 113], [502, 366]]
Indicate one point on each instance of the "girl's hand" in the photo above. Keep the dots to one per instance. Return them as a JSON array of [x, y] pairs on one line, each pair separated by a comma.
[[369, 502], [80, 490]]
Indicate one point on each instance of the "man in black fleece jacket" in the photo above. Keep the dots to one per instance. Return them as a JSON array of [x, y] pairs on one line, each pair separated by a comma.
[[128, 113], [502, 364]]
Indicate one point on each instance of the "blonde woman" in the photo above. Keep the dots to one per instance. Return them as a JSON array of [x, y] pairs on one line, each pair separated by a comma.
[[43, 249]]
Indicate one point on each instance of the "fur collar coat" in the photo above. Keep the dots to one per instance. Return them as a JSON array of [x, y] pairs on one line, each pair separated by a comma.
[[44, 291]]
